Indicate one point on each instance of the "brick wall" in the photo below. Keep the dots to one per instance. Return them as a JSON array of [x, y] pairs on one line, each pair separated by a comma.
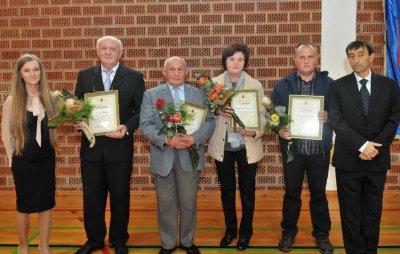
[[63, 34]]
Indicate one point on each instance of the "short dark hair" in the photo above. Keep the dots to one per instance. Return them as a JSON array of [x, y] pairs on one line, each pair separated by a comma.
[[360, 44], [232, 49]]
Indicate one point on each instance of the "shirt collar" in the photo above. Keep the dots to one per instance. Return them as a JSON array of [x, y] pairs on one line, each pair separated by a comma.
[[368, 77], [114, 69], [180, 88]]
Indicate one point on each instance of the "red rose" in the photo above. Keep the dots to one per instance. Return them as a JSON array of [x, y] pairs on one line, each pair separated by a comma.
[[160, 103]]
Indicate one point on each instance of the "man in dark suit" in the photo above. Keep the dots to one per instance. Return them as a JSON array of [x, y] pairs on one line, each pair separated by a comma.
[[175, 179], [364, 113], [106, 168]]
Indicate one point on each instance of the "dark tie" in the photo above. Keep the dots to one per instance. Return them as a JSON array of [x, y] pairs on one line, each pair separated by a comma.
[[364, 94]]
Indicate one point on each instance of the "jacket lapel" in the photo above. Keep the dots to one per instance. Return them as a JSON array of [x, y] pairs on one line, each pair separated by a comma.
[[374, 95], [119, 75], [188, 93], [97, 79], [166, 93]]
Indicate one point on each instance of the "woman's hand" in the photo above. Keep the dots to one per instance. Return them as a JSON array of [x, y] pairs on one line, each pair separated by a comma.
[[248, 133], [226, 112]]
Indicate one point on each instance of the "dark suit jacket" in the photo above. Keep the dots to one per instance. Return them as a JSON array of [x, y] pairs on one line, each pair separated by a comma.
[[353, 127], [130, 86]]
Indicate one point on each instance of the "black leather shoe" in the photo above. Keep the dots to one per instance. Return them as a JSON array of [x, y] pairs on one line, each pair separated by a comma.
[[87, 249], [191, 250], [323, 243], [166, 251], [121, 250], [242, 244], [286, 243], [226, 240]]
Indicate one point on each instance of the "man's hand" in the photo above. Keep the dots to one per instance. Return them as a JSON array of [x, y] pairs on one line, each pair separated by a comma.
[[188, 139], [370, 150], [119, 133], [323, 116], [364, 157], [178, 141], [285, 134]]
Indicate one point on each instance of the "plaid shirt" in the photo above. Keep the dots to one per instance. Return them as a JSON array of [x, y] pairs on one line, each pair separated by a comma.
[[307, 146]]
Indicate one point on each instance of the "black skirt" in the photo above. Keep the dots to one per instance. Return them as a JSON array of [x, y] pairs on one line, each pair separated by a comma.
[[34, 184]]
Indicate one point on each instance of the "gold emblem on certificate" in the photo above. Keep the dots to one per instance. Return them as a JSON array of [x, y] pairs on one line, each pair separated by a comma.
[[303, 111], [105, 114], [198, 116], [246, 106]]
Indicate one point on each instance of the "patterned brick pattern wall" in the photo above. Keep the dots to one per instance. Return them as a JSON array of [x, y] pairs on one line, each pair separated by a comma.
[[63, 34]]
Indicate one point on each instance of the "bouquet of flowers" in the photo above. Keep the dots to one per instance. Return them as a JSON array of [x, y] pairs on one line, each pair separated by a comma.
[[174, 121], [217, 96], [277, 119], [70, 109]]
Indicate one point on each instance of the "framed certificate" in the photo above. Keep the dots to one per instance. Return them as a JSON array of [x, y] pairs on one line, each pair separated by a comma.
[[246, 106], [105, 115], [303, 111], [199, 116]]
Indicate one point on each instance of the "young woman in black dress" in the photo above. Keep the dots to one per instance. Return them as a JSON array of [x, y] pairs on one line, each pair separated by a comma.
[[29, 144]]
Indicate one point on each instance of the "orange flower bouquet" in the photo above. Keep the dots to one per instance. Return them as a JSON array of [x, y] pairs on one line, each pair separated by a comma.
[[70, 109], [217, 96], [174, 121]]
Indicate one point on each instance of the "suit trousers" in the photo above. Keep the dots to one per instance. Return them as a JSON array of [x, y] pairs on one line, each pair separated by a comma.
[[99, 178], [360, 194], [247, 187], [176, 191], [315, 167]]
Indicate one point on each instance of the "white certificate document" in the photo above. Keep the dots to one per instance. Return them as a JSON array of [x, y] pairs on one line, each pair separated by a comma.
[[105, 115], [198, 117], [303, 112], [246, 106]]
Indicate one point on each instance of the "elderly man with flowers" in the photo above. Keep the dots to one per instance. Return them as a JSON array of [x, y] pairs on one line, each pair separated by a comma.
[[175, 176], [311, 157]]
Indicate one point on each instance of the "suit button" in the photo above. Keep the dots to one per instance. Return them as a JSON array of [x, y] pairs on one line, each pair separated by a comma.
[[223, 139]]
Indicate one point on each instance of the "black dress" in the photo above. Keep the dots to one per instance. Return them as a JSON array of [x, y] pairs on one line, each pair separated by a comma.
[[34, 171]]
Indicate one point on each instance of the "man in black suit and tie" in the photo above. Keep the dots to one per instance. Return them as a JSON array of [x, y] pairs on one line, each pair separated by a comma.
[[364, 113], [106, 168]]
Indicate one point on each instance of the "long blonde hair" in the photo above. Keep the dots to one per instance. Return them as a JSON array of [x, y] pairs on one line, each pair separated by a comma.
[[20, 101]]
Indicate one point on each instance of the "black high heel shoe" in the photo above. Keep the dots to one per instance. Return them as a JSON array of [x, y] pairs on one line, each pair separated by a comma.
[[226, 240], [243, 244]]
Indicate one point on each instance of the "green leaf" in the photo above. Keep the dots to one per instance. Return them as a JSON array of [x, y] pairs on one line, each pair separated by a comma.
[[194, 156]]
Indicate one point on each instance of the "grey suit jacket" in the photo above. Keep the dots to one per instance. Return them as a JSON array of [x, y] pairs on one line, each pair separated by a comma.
[[162, 156]]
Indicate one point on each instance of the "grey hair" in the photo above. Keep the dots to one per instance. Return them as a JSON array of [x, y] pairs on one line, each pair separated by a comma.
[[306, 44], [108, 37], [173, 58]]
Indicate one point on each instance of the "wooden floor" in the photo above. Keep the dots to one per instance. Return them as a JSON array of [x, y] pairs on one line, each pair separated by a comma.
[[68, 233]]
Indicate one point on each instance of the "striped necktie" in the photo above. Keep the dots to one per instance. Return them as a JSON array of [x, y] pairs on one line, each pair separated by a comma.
[[364, 95]]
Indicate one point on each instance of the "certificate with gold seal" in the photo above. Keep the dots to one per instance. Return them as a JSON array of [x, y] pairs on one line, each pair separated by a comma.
[[303, 111], [105, 115], [245, 103], [198, 117]]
